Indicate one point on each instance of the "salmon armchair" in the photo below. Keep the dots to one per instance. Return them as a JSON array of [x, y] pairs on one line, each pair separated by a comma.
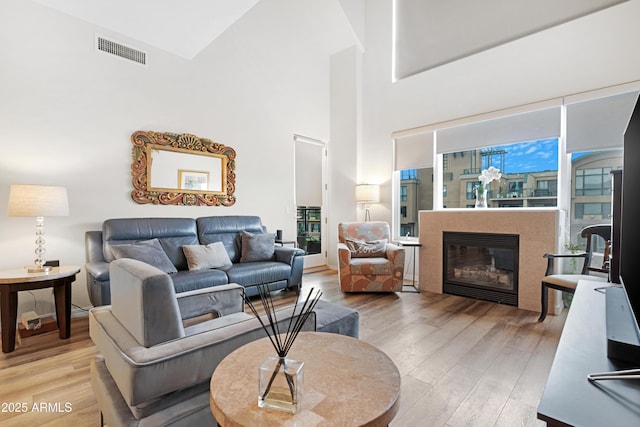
[[367, 261]]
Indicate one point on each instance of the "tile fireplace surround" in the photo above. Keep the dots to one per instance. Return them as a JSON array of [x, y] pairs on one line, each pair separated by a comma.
[[538, 230]]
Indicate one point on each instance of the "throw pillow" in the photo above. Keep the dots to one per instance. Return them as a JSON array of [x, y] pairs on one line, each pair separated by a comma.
[[362, 249], [257, 247], [149, 251], [201, 257]]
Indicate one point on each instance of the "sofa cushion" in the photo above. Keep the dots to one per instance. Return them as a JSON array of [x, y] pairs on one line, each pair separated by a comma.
[[361, 248], [213, 255], [254, 273], [190, 406], [187, 280], [257, 247], [147, 251]]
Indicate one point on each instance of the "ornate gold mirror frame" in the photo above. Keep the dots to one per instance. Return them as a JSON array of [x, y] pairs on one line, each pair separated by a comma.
[[194, 171]]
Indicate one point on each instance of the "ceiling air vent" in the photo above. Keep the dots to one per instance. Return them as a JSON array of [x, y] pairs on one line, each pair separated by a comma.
[[120, 50]]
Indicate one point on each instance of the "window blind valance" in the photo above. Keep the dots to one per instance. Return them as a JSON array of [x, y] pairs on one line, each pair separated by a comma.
[[414, 152], [599, 124], [529, 126], [308, 155]]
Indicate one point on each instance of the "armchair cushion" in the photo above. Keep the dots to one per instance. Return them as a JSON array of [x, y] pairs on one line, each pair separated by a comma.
[[370, 266], [213, 255], [148, 251]]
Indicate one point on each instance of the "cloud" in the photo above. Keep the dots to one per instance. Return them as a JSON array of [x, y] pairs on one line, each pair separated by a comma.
[[531, 156]]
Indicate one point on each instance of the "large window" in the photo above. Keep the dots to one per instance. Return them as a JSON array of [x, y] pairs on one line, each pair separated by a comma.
[[523, 144], [529, 172]]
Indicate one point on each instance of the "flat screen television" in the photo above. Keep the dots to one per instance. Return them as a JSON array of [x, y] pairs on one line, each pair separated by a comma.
[[628, 224]]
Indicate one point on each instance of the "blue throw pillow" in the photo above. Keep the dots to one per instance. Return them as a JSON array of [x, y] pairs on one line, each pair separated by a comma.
[[257, 247], [148, 251]]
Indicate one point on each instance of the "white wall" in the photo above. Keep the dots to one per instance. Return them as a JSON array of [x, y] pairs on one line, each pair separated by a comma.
[[67, 113], [346, 134], [595, 51]]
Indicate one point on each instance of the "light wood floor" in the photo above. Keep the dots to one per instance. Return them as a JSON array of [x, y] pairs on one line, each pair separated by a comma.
[[463, 362]]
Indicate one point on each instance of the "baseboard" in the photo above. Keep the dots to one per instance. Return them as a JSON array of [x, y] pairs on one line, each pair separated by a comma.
[[315, 269]]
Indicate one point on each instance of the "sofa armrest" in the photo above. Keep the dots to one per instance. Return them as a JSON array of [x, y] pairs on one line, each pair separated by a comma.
[[99, 270], [222, 300], [286, 254]]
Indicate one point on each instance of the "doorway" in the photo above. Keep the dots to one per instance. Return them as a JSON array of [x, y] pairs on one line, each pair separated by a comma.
[[311, 220]]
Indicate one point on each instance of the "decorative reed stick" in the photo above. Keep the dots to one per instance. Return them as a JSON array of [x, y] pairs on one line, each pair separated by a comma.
[[281, 344]]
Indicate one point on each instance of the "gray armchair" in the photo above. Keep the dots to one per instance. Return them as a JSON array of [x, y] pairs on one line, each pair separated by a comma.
[[153, 369]]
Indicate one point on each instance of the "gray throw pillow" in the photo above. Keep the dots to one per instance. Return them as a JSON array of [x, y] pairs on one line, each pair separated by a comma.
[[148, 251], [362, 249], [257, 247], [201, 257]]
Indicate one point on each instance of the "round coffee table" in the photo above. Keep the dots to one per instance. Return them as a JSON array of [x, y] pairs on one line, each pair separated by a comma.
[[347, 382]]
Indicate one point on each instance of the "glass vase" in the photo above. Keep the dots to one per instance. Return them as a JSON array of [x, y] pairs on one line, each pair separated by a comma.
[[481, 197], [280, 384]]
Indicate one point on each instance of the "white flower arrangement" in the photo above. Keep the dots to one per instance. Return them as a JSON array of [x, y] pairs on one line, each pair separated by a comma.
[[487, 176]]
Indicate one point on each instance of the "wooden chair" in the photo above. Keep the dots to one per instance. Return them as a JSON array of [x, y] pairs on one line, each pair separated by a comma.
[[569, 282]]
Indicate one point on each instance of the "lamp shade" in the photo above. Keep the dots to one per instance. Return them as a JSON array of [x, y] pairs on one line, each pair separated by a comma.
[[367, 193], [38, 200]]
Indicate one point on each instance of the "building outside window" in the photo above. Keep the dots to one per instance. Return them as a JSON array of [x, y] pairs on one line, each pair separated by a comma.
[[593, 181], [529, 175], [416, 194], [403, 193], [591, 192], [471, 186]]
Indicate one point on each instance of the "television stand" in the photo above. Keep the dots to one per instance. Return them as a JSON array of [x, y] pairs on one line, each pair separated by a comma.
[[569, 399]]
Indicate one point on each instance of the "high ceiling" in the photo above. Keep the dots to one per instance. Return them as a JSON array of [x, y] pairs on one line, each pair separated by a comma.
[[183, 27]]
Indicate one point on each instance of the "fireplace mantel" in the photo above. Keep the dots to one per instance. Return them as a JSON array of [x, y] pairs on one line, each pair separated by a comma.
[[538, 230]]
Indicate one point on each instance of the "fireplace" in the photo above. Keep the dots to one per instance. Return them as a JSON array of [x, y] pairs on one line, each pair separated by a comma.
[[481, 265]]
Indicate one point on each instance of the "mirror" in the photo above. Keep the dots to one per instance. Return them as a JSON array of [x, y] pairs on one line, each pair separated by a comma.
[[181, 169]]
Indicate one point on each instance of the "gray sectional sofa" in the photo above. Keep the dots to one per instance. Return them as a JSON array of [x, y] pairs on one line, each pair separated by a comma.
[[155, 370], [283, 269]]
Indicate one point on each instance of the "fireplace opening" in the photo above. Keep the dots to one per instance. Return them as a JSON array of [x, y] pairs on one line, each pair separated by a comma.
[[481, 265]]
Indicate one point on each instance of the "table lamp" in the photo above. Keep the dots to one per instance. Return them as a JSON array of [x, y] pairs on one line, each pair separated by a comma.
[[38, 201], [367, 194]]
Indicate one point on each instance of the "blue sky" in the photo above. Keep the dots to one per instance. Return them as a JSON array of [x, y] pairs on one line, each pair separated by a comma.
[[533, 156]]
